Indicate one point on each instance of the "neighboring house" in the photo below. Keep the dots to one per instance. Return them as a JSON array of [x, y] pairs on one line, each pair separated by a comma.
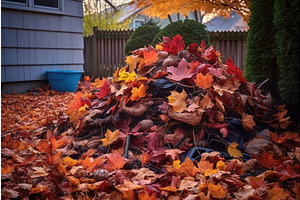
[[39, 35], [232, 23]]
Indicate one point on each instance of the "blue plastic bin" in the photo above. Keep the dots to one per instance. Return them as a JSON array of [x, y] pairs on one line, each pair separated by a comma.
[[63, 80]]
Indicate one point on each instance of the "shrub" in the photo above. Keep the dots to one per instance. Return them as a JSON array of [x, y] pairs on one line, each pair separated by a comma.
[[286, 20], [143, 35], [261, 61], [190, 30]]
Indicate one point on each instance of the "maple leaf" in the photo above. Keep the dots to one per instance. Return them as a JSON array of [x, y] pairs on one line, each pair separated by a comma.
[[137, 93], [234, 70], [69, 162], [178, 101], [145, 196], [216, 191], [99, 83], [221, 89], [110, 137], [277, 193], [266, 160], [287, 171], [258, 182], [206, 103], [233, 151], [220, 104], [173, 153], [150, 57], [170, 188], [104, 90], [277, 138], [203, 81], [116, 161], [217, 72], [131, 61], [6, 169], [76, 103], [174, 45], [126, 76], [248, 122], [179, 73], [204, 165], [210, 55], [86, 163], [188, 168], [154, 140], [158, 155]]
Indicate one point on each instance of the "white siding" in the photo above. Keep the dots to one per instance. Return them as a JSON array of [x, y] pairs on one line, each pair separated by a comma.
[[33, 42]]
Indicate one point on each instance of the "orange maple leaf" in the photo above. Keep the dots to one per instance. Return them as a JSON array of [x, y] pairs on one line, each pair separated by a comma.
[[6, 169], [150, 57], [203, 81], [76, 103], [145, 196], [138, 93], [204, 165], [110, 137], [86, 163], [216, 191], [115, 162], [248, 122], [277, 138], [178, 101], [188, 168]]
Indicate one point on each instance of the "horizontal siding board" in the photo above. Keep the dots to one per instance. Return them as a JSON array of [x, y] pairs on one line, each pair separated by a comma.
[[30, 20], [3, 78], [32, 38], [10, 56], [53, 22], [65, 23], [23, 57], [77, 56], [42, 21], [76, 24], [23, 38]]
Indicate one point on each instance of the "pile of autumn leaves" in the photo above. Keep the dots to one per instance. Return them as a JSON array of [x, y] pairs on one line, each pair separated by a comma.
[[142, 113]]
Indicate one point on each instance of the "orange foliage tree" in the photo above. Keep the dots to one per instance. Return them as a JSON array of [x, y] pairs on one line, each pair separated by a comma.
[[163, 8]]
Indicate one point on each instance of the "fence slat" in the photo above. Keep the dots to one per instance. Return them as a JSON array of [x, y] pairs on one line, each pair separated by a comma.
[[104, 51]]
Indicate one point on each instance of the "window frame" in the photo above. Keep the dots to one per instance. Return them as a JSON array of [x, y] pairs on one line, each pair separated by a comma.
[[30, 6], [134, 21]]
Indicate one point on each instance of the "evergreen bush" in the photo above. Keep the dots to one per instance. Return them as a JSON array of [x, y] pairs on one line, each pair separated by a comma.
[[142, 36], [261, 61], [286, 20], [190, 30]]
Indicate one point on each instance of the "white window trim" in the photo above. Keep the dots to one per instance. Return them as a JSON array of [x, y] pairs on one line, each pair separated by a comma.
[[134, 20], [29, 6]]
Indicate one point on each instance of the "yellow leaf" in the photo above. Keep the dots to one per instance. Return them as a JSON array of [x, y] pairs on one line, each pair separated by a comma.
[[159, 47], [233, 151], [176, 164], [138, 93], [126, 76], [69, 162], [178, 101], [131, 61], [83, 108], [221, 165], [248, 122], [203, 81], [110, 137], [209, 172]]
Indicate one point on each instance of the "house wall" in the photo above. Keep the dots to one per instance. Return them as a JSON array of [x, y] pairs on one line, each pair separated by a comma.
[[33, 42]]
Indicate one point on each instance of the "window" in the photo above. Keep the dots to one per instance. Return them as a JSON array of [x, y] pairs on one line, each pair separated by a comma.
[[18, 1], [46, 3], [49, 6], [137, 23]]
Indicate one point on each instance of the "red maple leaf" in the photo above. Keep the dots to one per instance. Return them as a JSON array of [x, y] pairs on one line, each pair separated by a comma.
[[267, 160], [174, 45], [104, 90], [210, 55], [181, 72], [234, 70], [116, 161], [154, 140]]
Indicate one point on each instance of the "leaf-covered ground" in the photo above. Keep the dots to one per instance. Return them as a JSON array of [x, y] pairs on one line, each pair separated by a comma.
[[171, 124]]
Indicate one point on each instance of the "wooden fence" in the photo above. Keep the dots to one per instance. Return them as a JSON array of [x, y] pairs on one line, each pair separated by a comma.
[[104, 51]]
